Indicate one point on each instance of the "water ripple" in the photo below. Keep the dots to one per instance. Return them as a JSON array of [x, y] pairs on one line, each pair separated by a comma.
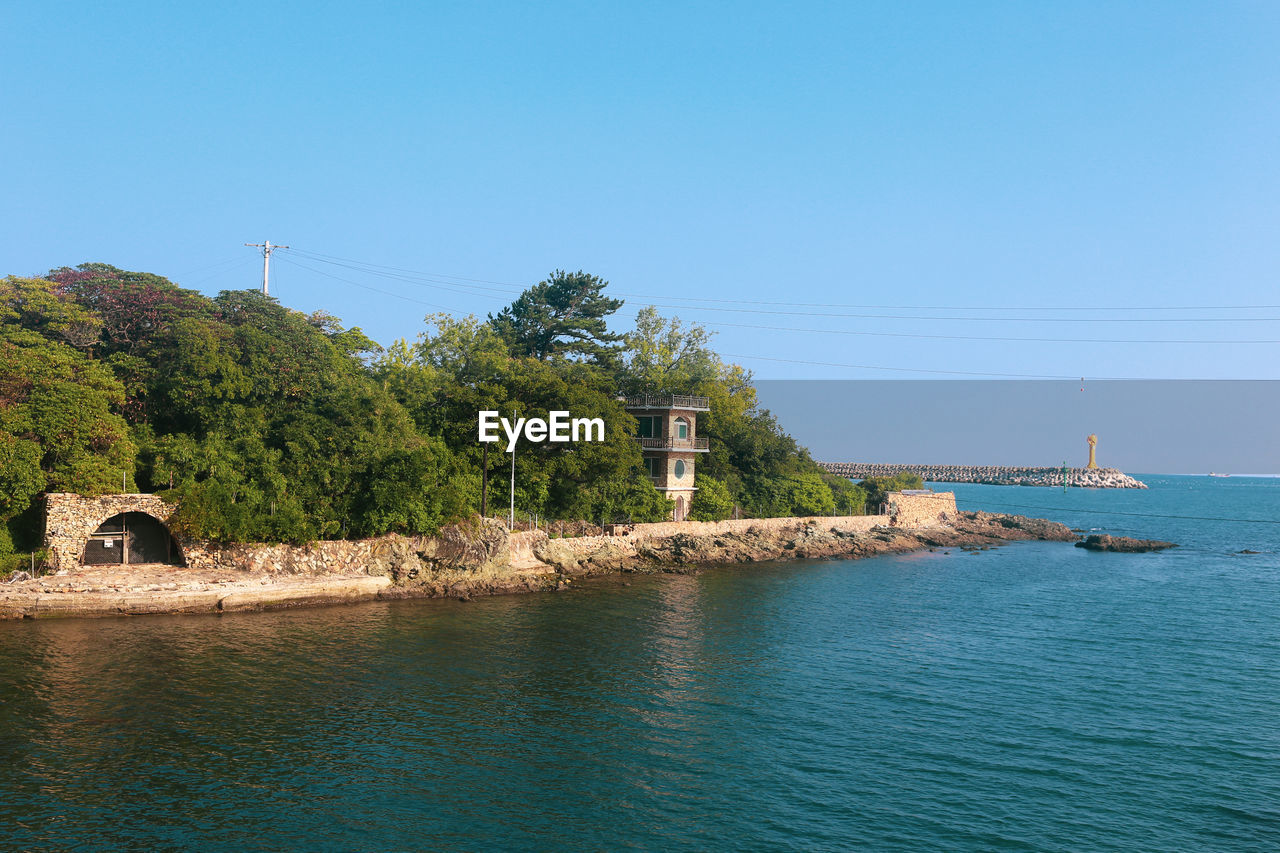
[[1034, 697]]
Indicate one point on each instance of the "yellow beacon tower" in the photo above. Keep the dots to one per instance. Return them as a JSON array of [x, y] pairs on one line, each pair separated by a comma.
[[1093, 446]]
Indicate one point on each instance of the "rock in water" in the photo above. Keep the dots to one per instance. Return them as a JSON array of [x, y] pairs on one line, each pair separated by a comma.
[[1123, 544]]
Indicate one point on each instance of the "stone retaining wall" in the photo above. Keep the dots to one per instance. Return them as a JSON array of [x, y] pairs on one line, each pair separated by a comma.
[[336, 556], [903, 510], [914, 512], [663, 529]]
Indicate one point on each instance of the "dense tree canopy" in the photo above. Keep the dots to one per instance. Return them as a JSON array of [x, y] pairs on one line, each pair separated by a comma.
[[60, 427], [265, 424], [461, 367]]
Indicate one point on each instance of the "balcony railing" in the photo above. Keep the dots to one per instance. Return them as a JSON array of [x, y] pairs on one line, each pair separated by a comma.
[[669, 401], [668, 443]]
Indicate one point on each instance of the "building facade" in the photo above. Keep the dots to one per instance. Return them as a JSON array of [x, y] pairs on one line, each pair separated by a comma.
[[668, 436]]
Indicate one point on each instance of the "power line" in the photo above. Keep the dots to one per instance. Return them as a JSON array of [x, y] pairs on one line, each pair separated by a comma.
[[401, 274], [224, 269], [374, 289], [425, 279], [234, 259], [408, 274], [981, 337], [969, 307], [911, 369], [864, 333], [982, 319]]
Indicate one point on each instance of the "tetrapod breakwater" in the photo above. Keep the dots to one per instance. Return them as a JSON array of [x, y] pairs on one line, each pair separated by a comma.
[[994, 475]]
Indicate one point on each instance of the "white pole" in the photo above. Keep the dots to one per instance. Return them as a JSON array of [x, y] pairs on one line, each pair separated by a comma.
[[266, 264], [267, 249], [513, 487]]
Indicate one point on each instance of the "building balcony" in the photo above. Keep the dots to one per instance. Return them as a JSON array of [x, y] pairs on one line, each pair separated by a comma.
[[668, 401], [695, 445]]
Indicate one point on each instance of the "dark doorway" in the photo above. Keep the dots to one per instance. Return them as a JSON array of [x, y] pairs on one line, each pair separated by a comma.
[[131, 537]]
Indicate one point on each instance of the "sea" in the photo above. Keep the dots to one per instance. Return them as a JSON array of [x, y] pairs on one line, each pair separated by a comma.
[[1032, 697]]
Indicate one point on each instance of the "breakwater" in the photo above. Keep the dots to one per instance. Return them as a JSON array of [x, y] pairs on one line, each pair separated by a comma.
[[993, 475]]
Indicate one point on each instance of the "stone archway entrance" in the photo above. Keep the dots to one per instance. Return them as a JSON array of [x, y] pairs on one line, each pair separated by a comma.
[[109, 530], [131, 537]]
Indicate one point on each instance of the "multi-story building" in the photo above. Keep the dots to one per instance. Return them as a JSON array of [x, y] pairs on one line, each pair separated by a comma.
[[668, 435]]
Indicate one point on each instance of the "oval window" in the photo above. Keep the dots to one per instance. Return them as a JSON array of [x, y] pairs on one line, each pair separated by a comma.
[[679, 469]]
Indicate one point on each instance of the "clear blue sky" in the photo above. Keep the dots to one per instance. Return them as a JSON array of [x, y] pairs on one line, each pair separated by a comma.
[[984, 155]]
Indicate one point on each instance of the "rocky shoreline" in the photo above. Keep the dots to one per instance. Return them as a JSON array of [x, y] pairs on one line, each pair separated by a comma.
[[480, 559], [1123, 544]]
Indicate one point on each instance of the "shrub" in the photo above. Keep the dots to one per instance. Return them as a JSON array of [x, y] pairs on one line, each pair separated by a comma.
[[712, 501]]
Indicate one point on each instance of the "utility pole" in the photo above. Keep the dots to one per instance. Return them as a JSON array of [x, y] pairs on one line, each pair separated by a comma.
[[512, 524], [267, 249]]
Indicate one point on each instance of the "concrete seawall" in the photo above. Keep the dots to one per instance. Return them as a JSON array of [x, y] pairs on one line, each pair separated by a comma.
[[994, 475]]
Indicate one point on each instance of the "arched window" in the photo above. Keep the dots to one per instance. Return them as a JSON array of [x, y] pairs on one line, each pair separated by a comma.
[[682, 428]]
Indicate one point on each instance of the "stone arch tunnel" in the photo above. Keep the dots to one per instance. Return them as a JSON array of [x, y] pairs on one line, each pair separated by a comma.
[[109, 530], [131, 537]]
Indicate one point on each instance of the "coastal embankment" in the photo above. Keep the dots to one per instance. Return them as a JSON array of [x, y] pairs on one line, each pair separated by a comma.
[[993, 475], [485, 558]]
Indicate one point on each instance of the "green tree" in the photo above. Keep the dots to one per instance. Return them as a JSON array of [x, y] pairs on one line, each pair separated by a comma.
[[877, 488], [712, 501], [21, 478], [413, 491], [849, 499], [133, 310], [665, 356], [807, 494], [39, 305], [763, 468], [458, 368], [562, 317], [265, 424], [59, 426]]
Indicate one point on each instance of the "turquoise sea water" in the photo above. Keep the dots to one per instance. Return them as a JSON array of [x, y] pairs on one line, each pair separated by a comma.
[[1031, 697]]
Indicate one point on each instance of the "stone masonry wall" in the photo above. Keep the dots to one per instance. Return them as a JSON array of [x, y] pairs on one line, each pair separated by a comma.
[[337, 556], [912, 511], [917, 511], [663, 529], [70, 519]]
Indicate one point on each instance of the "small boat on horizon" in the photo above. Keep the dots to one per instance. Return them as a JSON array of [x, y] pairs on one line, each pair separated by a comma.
[[1212, 474]]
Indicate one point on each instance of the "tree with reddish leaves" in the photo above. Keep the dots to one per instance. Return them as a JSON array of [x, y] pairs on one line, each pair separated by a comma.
[[137, 310]]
